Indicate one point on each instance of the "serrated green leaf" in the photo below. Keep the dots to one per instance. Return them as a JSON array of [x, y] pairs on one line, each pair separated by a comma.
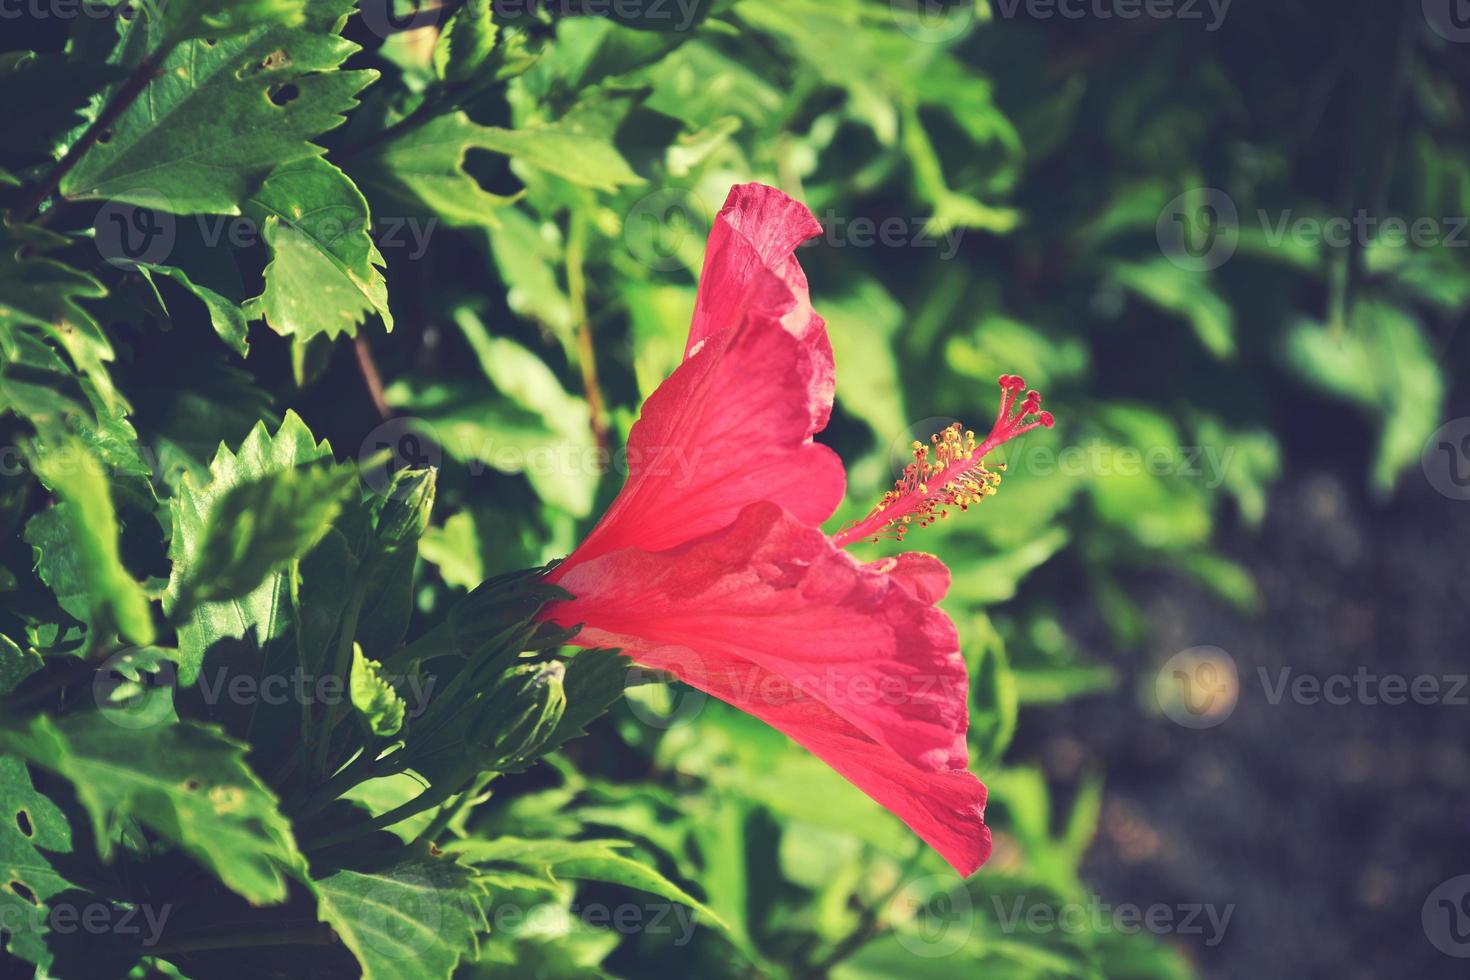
[[263, 612], [186, 783], [325, 273], [31, 827], [374, 698], [41, 292], [590, 860], [219, 116], [468, 41], [85, 526], [416, 919], [35, 382], [254, 528], [180, 19]]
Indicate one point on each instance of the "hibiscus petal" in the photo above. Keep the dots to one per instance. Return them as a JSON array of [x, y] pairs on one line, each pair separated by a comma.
[[750, 267], [845, 659], [730, 426], [923, 575], [770, 591]]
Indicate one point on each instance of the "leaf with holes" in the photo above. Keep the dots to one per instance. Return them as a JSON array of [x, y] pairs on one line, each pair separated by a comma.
[[325, 273], [31, 827], [188, 784], [221, 113]]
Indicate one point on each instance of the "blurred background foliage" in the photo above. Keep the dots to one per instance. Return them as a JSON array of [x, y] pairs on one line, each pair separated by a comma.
[[1030, 169]]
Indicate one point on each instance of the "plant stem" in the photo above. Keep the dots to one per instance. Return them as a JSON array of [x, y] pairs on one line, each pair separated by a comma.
[[429, 798], [342, 668], [449, 811], [370, 376], [148, 69], [586, 353], [870, 922]]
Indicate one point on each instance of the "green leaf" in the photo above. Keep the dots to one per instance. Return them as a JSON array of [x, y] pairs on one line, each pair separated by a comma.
[[325, 273], [85, 526], [468, 41], [16, 664], [38, 291], [219, 116], [455, 550], [1383, 363], [47, 94], [35, 381], [413, 920], [374, 698], [565, 151], [225, 315], [863, 323], [423, 170], [31, 827], [590, 860], [527, 260], [263, 612], [188, 784], [254, 528], [180, 19], [1183, 293]]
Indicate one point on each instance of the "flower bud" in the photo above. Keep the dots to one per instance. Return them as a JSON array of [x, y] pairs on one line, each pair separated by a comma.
[[520, 713]]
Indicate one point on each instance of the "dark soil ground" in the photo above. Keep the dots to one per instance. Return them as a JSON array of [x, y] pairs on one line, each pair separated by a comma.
[[1325, 826]]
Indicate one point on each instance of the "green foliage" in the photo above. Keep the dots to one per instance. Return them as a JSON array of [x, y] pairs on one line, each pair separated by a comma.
[[354, 730], [186, 783]]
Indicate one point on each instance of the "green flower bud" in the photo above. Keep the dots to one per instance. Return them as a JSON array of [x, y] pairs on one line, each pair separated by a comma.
[[401, 515], [520, 713]]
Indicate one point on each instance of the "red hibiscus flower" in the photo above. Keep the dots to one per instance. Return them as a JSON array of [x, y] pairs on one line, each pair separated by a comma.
[[710, 564]]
